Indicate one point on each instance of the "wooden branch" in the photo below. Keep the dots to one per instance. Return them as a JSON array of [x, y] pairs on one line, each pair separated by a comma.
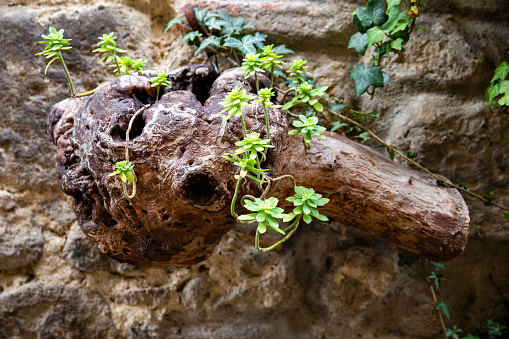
[[369, 191]]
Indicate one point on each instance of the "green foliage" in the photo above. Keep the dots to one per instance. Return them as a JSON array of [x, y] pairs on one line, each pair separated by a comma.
[[252, 145], [307, 94], [505, 214], [437, 279], [412, 155], [490, 197], [246, 45], [359, 42], [160, 80], [109, 46], [232, 26], [308, 127], [128, 65], [234, 101], [499, 87], [390, 150], [494, 328], [406, 259], [173, 22], [192, 38], [297, 71], [442, 307], [248, 167], [454, 332], [437, 265], [265, 95], [306, 202], [56, 44], [208, 42], [364, 77], [266, 213], [124, 170], [252, 64], [385, 28]]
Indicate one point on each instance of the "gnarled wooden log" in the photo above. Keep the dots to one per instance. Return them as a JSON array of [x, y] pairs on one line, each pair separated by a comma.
[[182, 208]]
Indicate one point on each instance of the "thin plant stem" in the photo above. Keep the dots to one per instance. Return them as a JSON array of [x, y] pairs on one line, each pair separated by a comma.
[[435, 300], [293, 227], [157, 93], [84, 94], [266, 120], [234, 199], [64, 66], [270, 180], [256, 81], [271, 75], [124, 185], [116, 62], [243, 122]]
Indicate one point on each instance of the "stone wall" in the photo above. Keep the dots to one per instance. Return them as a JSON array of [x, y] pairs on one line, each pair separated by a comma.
[[329, 280]]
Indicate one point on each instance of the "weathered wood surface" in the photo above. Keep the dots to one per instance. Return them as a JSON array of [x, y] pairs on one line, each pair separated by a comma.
[[182, 207]]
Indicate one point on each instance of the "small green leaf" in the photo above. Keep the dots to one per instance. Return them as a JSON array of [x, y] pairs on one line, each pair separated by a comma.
[[282, 49], [174, 21], [491, 92], [501, 71], [504, 86], [505, 214], [442, 307], [373, 14], [365, 77], [396, 44], [375, 35], [359, 42], [411, 155], [393, 3]]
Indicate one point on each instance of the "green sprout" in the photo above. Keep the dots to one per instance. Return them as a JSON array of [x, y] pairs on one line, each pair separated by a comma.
[[266, 213], [306, 94], [125, 171], [247, 166], [56, 44], [109, 46], [265, 94], [297, 70], [160, 80], [252, 145], [271, 61], [233, 103], [308, 127], [129, 65], [306, 202], [138, 65], [252, 64]]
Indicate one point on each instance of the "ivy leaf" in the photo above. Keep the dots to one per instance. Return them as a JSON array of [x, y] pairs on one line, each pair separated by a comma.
[[411, 155], [359, 42], [393, 17], [245, 46], [504, 86], [501, 71], [396, 44], [359, 24], [372, 14], [491, 92], [442, 307], [386, 77], [211, 40], [174, 21], [504, 101], [282, 49], [365, 77], [392, 3], [405, 259], [192, 38], [375, 35]]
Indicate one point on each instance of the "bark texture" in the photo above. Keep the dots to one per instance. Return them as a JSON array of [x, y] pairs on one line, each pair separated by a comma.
[[182, 207]]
